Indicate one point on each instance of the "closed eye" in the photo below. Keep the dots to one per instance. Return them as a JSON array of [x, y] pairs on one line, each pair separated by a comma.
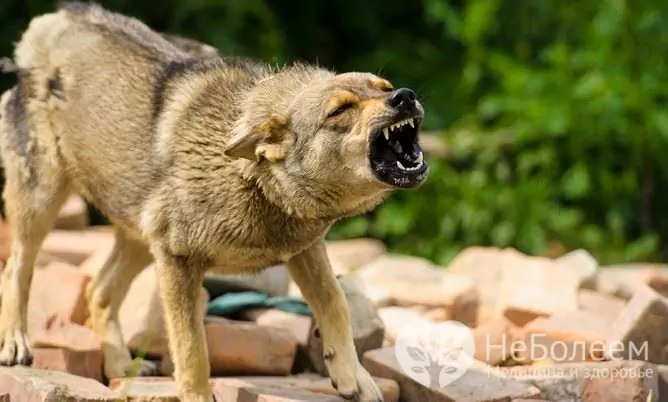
[[340, 109]]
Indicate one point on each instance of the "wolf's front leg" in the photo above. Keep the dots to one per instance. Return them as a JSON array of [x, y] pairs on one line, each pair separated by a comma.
[[180, 280], [312, 272]]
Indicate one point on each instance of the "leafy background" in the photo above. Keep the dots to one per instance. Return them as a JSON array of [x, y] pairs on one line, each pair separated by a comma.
[[554, 113]]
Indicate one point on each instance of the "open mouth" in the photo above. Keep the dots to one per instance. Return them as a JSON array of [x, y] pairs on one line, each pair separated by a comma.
[[395, 155]]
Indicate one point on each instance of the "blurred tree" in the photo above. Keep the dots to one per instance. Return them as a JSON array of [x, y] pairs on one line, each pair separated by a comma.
[[554, 111]]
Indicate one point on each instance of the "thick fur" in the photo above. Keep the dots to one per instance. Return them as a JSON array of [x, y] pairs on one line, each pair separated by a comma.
[[201, 162]]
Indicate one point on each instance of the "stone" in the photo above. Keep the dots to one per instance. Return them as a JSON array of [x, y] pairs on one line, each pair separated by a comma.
[[57, 290], [622, 280], [273, 280], [610, 381], [583, 264], [348, 255], [494, 341], [567, 336], [605, 306], [61, 333], [475, 385], [243, 348], [74, 246], [367, 326], [240, 390], [28, 384], [73, 215], [400, 276], [534, 287], [640, 331]]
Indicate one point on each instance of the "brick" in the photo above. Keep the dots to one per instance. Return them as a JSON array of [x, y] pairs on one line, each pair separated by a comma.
[[475, 385], [240, 390], [73, 215], [623, 280], [396, 318], [484, 265], [610, 381], [534, 287], [348, 255], [75, 246], [27, 384], [399, 276], [570, 336], [367, 326], [605, 306], [58, 332], [437, 314], [299, 325], [583, 264], [57, 290], [242, 348], [317, 384], [84, 363], [494, 341], [641, 328], [145, 389]]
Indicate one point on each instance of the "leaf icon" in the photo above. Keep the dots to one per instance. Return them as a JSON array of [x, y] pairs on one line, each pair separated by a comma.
[[416, 354]]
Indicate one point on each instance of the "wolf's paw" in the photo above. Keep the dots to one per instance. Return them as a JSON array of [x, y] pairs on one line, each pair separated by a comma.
[[357, 385], [14, 347]]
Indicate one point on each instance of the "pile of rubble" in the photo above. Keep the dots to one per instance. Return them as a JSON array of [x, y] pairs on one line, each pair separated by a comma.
[[545, 329]]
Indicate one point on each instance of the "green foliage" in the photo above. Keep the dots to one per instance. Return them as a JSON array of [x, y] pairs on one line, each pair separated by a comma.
[[554, 112]]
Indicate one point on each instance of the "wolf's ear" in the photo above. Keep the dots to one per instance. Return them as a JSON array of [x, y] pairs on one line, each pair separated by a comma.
[[269, 140]]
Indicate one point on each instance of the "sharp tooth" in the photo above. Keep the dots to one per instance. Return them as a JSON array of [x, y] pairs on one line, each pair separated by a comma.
[[420, 158], [386, 133], [411, 122], [400, 166]]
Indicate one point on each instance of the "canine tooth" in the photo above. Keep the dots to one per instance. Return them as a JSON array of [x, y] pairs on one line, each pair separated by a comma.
[[386, 132], [411, 122], [420, 158], [400, 166]]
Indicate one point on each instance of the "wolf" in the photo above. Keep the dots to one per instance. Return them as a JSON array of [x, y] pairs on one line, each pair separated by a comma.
[[201, 162]]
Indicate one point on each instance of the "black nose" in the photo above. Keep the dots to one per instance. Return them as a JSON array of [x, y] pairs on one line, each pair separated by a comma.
[[402, 99]]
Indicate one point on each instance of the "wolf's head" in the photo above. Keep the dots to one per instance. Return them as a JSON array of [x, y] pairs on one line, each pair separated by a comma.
[[352, 133]]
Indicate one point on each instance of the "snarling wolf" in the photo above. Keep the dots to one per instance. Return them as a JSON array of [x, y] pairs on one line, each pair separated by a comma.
[[201, 162]]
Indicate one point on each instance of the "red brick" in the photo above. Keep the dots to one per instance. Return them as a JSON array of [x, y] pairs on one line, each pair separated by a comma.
[[605, 306], [474, 386], [57, 290], [60, 333], [641, 328], [572, 336], [611, 381], [299, 325], [32, 385], [494, 340], [242, 348], [145, 389], [239, 390], [75, 246], [623, 280], [535, 287], [73, 215], [84, 363]]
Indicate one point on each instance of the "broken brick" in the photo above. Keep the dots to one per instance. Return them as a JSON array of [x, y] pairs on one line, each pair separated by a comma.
[[242, 348], [28, 384], [641, 329]]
